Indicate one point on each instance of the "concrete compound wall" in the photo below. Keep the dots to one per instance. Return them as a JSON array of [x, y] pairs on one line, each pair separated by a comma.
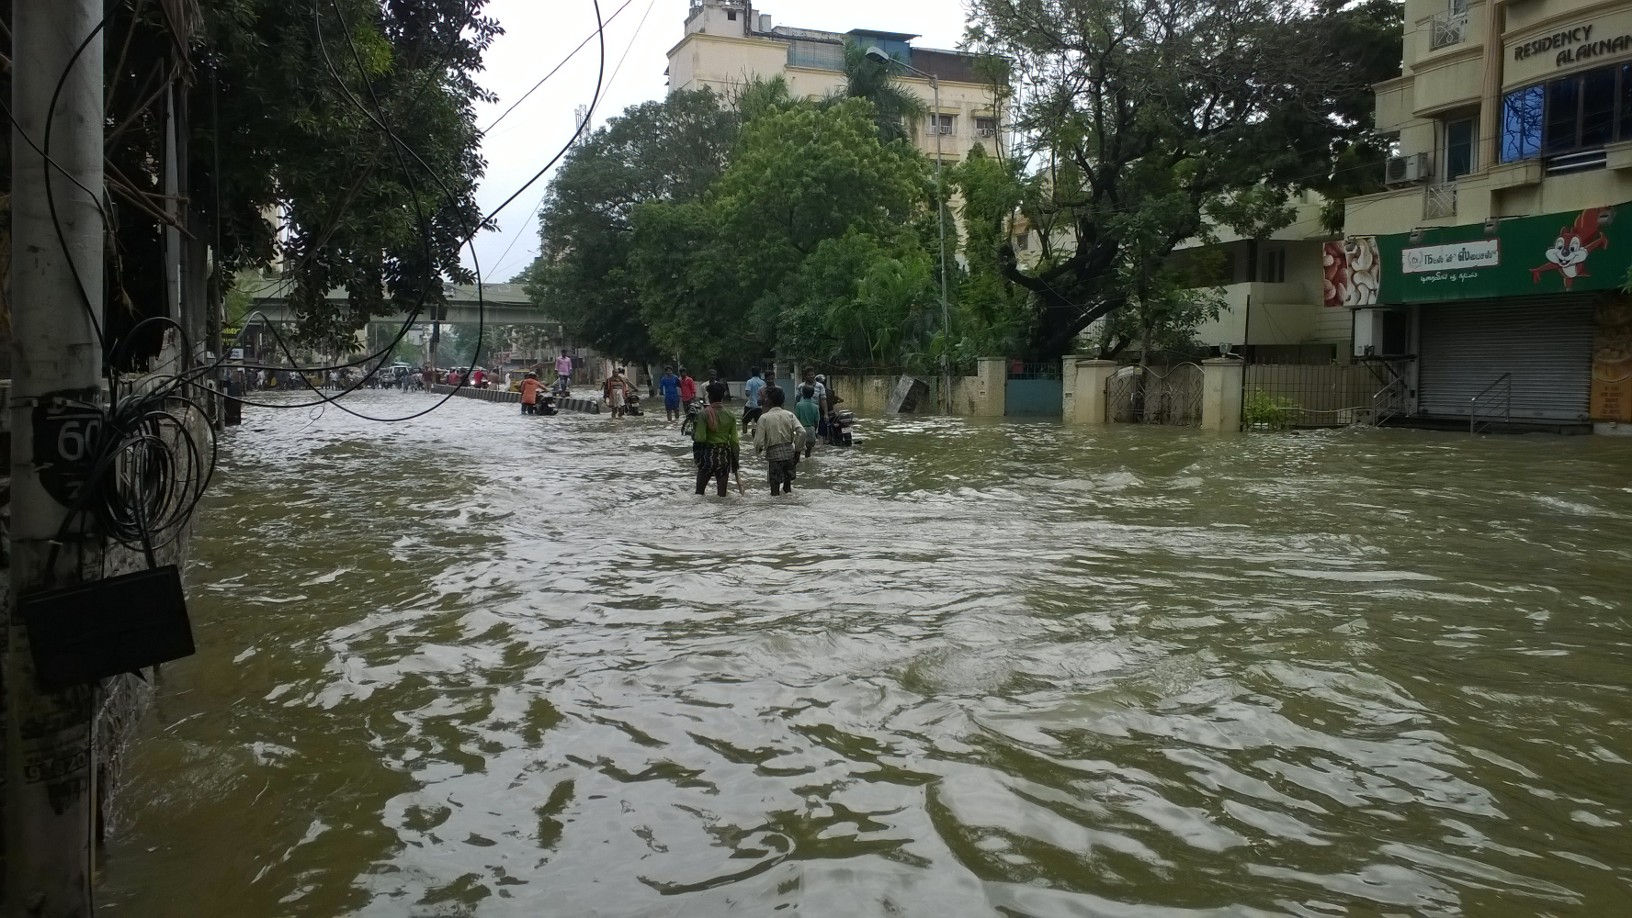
[[1085, 399], [978, 396]]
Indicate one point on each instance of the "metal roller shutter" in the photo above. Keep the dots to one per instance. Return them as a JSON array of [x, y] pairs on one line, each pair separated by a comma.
[[1546, 343]]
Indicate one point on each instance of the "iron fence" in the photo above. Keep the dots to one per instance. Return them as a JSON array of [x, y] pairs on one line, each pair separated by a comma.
[[1155, 395], [1314, 395], [1020, 369]]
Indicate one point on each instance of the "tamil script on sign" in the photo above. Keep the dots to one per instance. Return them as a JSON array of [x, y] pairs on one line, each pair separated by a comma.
[[1485, 253], [1453, 276]]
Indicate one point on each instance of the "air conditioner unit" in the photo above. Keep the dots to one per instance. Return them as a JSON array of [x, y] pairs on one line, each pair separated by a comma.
[[986, 132], [1408, 170]]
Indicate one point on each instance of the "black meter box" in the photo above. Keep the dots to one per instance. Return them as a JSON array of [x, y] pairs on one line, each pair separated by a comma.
[[83, 633]]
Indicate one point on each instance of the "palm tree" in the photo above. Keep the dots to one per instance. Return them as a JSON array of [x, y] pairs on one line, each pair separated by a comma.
[[896, 110]]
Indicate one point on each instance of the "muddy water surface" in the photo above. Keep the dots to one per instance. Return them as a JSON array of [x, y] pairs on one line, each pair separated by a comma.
[[481, 664]]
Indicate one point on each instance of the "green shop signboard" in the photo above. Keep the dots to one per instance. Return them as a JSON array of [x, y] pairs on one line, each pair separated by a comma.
[[1527, 256]]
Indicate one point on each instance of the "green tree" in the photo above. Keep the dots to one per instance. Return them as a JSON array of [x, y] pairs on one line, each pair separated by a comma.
[[896, 111], [1151, 113], [717, 277], [1363, 41], [353, 120], [657, 152], [992, 311]]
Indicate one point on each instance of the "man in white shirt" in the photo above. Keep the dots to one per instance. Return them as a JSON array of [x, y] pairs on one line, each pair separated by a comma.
[[779, 436]]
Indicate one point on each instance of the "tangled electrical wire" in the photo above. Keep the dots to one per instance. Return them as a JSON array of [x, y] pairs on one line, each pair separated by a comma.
[[150, 454]]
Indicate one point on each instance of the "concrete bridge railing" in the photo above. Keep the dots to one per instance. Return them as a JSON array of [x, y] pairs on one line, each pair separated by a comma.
[[581, 405]]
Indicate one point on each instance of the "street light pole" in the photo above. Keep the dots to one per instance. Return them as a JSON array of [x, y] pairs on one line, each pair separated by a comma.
[[878, 54]]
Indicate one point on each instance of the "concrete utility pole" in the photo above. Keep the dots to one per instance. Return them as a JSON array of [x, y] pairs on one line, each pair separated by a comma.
[[55, 355]]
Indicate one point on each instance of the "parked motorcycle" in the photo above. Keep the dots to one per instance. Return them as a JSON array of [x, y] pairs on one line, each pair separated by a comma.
[[838, 428]]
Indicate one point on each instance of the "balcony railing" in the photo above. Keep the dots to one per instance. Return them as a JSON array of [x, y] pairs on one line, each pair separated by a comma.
[[1447, 29], [1439, 201]]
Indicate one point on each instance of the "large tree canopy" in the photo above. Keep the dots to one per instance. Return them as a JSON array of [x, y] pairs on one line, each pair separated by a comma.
[[671, 152], [287, 113], [353, 121], [1142, 116], [723, 276]]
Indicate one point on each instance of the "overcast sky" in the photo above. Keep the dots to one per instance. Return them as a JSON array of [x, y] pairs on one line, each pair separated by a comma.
[[540, 33]]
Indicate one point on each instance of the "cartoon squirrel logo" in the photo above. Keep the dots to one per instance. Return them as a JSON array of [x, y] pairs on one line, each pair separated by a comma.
[[1568, 256]]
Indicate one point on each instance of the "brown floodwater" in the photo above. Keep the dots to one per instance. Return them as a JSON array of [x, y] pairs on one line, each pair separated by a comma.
[[481, 664]]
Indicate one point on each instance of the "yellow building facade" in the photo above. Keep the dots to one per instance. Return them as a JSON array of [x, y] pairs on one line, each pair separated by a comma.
[[1496, 242], [729, 44]]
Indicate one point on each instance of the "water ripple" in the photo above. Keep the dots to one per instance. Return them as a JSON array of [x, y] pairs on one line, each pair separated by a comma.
[[491, 665]]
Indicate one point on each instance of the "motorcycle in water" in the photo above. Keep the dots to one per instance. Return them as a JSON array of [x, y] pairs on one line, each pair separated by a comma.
[[545, 405], [693, 409], [838, 428], [631, 404]]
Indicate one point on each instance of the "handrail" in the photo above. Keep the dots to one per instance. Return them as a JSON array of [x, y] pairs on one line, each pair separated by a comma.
[[1377, 415], [1507, 403]]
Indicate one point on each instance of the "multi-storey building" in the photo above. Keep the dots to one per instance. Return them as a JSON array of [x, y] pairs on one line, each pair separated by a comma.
[[1274, 306], [728, 44], [1488, 277], [1275, 310]]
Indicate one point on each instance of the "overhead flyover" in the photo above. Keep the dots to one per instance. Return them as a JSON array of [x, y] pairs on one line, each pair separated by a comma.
[[498, 304]]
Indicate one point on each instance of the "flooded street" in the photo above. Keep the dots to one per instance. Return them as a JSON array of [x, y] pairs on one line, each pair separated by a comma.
[[491, 665]]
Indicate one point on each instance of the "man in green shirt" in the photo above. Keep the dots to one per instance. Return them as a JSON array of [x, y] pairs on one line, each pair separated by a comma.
[[808, 413], [716, 432]]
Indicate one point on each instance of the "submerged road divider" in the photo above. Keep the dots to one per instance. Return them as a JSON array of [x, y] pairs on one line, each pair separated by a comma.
[[582, 405]]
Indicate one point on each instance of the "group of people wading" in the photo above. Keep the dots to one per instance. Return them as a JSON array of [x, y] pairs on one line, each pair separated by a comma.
[[783, 436]]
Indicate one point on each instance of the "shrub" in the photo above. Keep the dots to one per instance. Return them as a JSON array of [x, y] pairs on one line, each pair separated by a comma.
[[1262, 411]]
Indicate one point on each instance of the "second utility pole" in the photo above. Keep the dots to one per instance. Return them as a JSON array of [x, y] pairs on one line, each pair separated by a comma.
[[56, 361]]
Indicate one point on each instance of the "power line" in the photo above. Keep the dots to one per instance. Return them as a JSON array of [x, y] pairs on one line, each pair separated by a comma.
[[533, 214], [570, 55]]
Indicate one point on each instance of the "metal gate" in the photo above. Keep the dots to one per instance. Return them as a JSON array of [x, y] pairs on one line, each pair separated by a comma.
[[1034, 390], [1467, 350], [1151, 395]]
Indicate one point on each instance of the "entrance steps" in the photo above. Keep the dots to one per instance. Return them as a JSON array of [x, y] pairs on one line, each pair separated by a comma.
[[1460, 425]]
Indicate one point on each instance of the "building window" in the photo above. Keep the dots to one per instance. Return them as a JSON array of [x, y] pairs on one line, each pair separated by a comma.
[[731, 15], [1562, 125], [942, 123], [1626, 102], [986, 127], [1272, 266], [1022, 242], [1583, 111], [1459, 141], [1521, 124], [1597, 108]]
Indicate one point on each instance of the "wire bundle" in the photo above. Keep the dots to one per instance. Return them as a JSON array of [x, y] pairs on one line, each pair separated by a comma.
[[152, 452]]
